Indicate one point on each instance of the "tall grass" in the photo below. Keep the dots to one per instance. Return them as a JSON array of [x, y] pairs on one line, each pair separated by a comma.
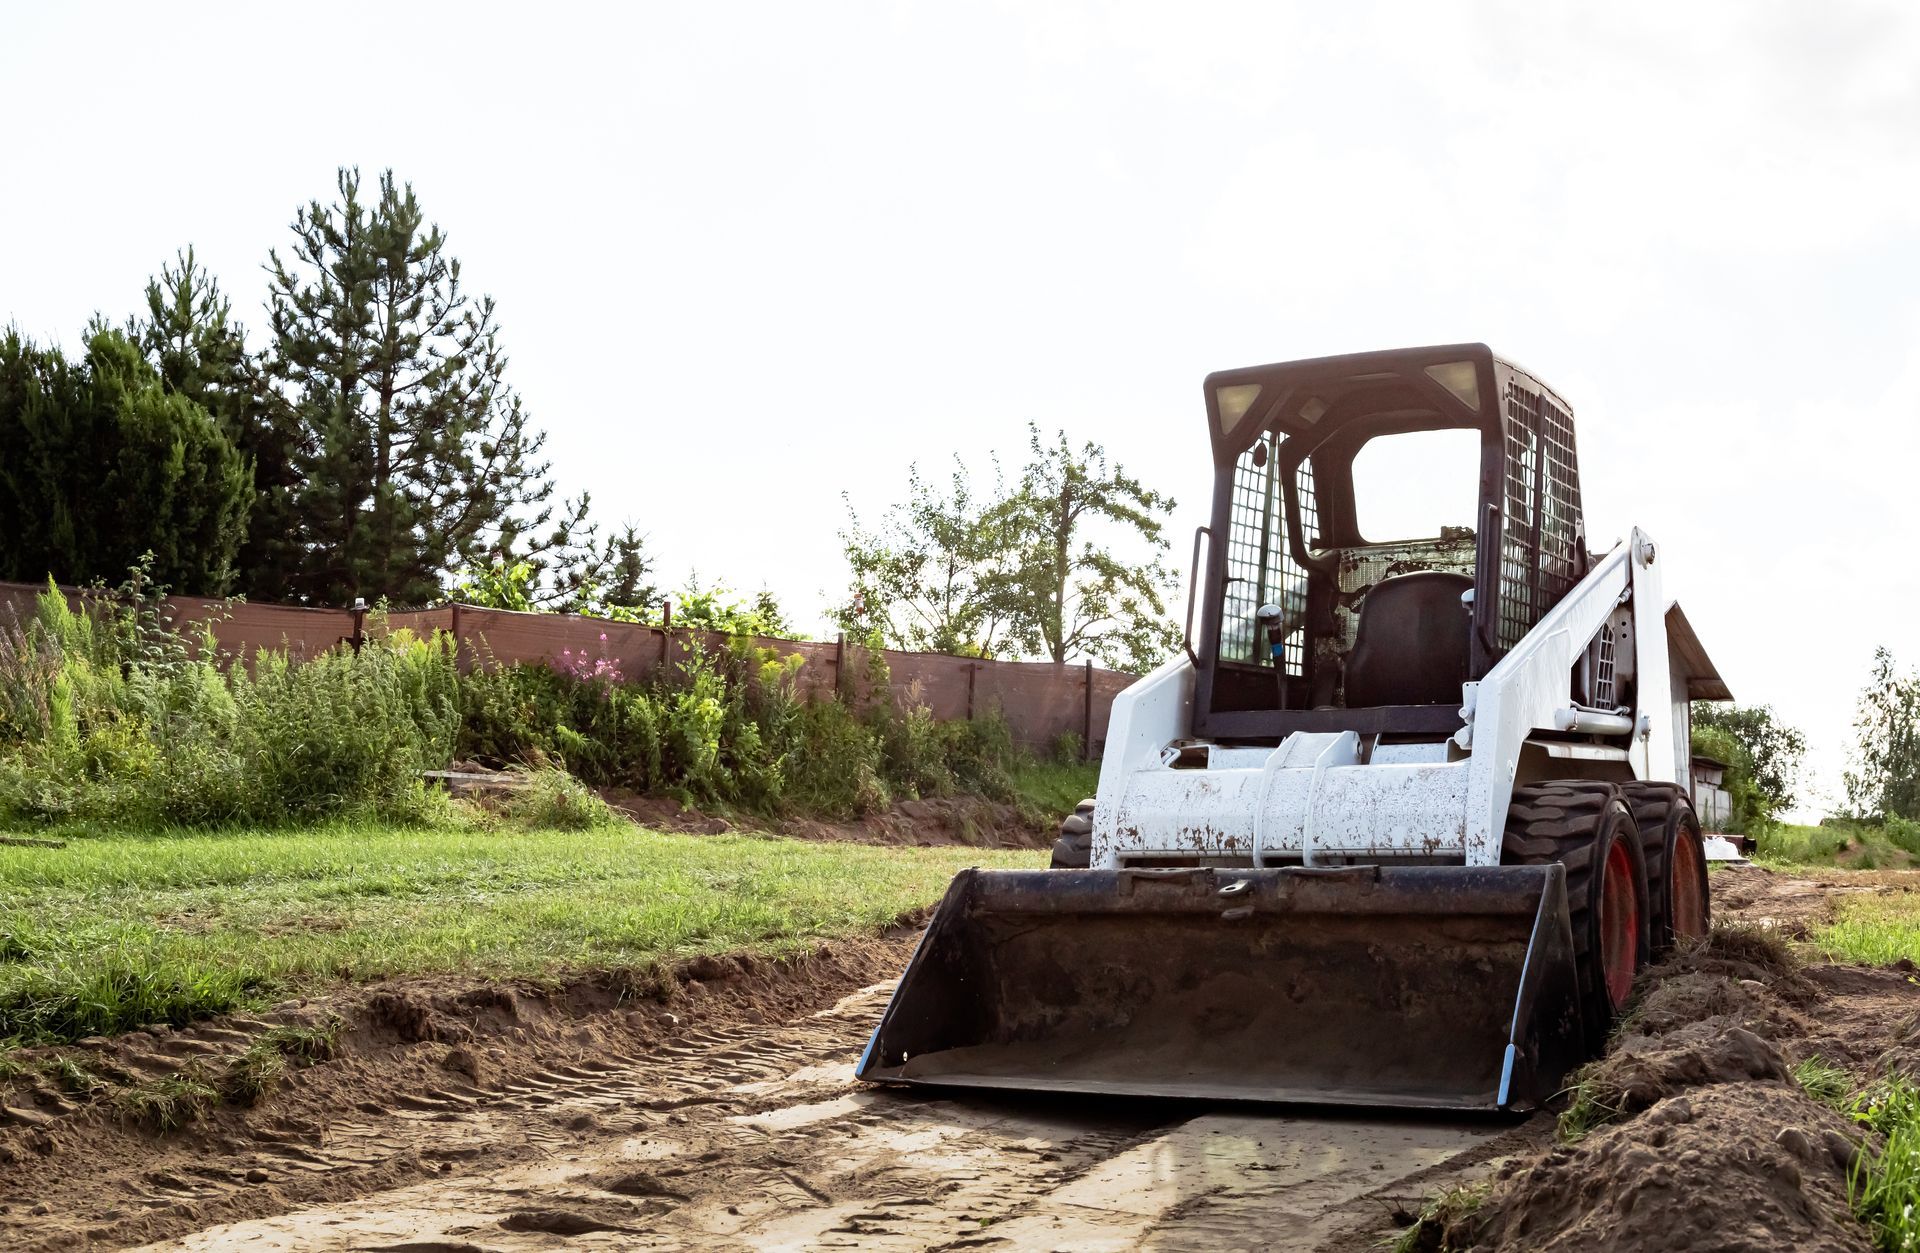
[[1884, 1188], [112, 716]]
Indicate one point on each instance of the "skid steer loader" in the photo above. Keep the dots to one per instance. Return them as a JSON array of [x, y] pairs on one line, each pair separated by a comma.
[[1403, 820]]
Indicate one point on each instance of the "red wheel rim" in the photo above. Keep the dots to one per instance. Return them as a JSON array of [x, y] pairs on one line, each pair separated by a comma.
[[1619, 924], [1687, 889]]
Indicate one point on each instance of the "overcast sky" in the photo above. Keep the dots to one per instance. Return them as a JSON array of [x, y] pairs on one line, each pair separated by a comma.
[[749, 256]]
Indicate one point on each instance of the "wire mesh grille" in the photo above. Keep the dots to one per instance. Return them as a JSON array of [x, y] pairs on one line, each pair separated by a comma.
[[1260, 568], [1538, 559]]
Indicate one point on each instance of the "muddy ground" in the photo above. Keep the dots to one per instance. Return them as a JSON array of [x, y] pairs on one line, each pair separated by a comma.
[[716, 1110]]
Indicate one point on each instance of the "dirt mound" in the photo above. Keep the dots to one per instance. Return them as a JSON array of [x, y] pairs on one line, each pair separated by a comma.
[[1727, 1166], [1704, 1139], [964, 820]]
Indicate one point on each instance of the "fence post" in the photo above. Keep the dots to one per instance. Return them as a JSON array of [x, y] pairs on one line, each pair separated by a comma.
[[666, 635], [1086, 737], [461, 659], [359, 622], [973, 672]]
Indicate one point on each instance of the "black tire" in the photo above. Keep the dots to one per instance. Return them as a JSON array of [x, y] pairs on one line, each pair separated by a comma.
[[1577, 823], [1074, 849], [1671, 841]]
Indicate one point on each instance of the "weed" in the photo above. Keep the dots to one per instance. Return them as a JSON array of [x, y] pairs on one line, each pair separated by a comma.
[[1432, 1230], [252, 1075], [73, 1077], [1825, 1083], [1591, 1105], [305, 1045], [166, 1105], [556, 801]]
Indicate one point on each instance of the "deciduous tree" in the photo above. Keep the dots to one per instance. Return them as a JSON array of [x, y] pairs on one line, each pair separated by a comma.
[[1883, 778], [935, 574], [1086, 577], [1774, 748]]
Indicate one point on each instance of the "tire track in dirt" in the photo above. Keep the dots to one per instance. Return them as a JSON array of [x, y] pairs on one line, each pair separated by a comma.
[[755, 1137]]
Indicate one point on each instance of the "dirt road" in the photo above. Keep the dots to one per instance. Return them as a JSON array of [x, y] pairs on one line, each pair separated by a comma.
[[759, 1139]]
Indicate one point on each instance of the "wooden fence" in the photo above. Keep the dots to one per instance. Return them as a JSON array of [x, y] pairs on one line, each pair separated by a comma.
[[1041, 701]]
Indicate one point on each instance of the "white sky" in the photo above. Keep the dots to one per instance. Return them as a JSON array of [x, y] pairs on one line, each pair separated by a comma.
[[749, 256]]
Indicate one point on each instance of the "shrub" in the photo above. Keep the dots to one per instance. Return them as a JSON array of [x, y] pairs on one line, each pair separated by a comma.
[[114, 716], [836, 769], [555, 800]]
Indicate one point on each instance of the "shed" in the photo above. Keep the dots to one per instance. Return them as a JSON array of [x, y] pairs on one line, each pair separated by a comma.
[[1707, 778], [1694, 677]]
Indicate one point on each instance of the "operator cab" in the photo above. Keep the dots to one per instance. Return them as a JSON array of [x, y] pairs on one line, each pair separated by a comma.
[[1385, 525]]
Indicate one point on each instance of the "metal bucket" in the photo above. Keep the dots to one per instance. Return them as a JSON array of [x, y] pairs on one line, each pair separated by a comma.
[[1419, 987]]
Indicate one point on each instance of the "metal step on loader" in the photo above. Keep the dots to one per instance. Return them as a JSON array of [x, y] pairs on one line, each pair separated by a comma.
[[1403, 820]]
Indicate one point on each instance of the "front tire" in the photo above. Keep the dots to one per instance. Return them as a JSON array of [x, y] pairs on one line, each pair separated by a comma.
[[1588, 827], [1074, 849]]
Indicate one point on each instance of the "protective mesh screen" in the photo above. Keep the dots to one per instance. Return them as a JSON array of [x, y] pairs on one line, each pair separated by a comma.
[[1542, 516], [1259, 566]]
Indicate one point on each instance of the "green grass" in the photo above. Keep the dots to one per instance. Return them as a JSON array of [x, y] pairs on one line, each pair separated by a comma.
[[1047, 791], [1788, 845], [1873, 931], [117, 930], [167, 1104], [1825, 1083], [1884, 1188]]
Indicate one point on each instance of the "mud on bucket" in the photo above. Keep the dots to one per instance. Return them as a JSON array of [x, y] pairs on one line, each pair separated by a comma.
[[1439, 987]]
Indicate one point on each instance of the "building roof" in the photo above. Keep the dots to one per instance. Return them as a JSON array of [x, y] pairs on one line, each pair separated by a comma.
[[1688, 657]]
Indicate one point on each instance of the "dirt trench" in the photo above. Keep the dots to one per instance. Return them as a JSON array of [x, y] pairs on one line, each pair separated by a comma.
[[489, 1117]]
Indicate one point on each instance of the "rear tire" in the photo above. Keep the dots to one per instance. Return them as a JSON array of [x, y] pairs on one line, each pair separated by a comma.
[[1074, 849], [1676, 857], [1587, 827]]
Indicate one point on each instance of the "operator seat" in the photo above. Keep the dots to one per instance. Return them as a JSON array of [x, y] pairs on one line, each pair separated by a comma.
[[1412, 642]]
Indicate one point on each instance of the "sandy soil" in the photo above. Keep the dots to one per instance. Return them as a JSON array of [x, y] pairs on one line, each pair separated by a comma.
[[717, 1110]]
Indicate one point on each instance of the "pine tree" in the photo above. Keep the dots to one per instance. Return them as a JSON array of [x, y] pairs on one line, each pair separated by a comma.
[[189, 335], [418, 459], [101, 465]]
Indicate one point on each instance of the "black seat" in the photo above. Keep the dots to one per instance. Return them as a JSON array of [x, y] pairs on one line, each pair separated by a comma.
[[1411, 646]]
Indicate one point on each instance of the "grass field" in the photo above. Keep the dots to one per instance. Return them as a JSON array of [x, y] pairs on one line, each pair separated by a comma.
[[1874, 930], [116, 930], [1854, 847]]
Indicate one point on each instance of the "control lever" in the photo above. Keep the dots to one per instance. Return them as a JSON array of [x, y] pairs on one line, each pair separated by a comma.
[[1273, 618]]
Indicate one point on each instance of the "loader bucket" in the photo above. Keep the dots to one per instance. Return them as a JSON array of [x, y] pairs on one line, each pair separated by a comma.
[[1441, 987]]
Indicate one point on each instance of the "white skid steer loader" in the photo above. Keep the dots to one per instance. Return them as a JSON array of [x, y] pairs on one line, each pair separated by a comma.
[[1403, 821]]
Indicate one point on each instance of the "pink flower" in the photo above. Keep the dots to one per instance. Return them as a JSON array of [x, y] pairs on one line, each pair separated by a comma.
[[603, 637]]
